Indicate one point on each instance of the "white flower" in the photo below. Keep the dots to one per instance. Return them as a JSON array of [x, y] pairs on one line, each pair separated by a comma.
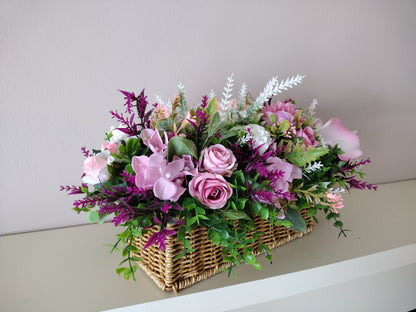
[[259, 136], [117, 135]]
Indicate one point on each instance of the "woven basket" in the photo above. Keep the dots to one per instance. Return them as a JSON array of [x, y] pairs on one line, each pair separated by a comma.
[[206, 260]]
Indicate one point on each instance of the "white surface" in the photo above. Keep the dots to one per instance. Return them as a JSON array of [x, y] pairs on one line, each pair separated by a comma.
[[385, 281], [70, 269], [61, 63]]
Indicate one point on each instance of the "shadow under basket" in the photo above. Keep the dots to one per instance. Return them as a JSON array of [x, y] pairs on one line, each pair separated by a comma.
[[206, 260]]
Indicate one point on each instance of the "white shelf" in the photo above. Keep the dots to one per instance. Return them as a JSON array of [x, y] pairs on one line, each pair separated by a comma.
[[70, 269]]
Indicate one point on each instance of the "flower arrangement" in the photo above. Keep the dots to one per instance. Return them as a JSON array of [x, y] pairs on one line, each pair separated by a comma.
[[218, 166]]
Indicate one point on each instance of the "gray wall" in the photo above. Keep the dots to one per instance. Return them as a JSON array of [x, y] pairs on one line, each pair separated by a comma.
[[61, 63]]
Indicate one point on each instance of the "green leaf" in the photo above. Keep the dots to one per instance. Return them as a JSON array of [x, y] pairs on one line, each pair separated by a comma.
[[272, 118], [212, 107], [180, 146], [241, 203], [215, 237], [264, 213], [236, 215], [133, 248], [284, 126], [122, 270], [302, 158], [298, 224], [93, 216]]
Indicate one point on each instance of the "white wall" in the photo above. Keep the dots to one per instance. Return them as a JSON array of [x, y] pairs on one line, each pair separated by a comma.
[[61, 63]]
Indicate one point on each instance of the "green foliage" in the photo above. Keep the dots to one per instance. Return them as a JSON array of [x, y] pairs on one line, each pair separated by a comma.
[[301, 158], [180, 146], [294, 217]]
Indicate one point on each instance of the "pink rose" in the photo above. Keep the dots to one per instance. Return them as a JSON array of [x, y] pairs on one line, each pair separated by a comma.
[[111, 147], [218, 159], [95, 169], [333, 133], [308, 135], [211, 189]]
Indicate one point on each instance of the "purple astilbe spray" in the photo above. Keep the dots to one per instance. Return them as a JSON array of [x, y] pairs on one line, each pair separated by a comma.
[[159, 238], [361, 185], [141, 105], [129, 126], [72, 190], [349, 166], [129, 97], [86, 152], [202, 118]]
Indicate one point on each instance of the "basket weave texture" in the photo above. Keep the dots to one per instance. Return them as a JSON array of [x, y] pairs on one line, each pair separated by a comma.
[[206, 260]]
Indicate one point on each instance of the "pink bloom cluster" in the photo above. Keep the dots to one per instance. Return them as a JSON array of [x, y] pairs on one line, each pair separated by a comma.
[[155, 173], [166, 179], [283, 173], [287, 111], [335, 201], [95, 167], [210, 187]]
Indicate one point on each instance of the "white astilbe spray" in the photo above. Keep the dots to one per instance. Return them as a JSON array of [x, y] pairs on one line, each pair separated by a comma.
[[310, 112], [314, 167], [337, 191], [272, 88], [211, 94], [243, 93], [227, 94]]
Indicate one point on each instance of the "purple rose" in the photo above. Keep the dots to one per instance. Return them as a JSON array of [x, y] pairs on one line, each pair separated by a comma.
[[333, 132], [218, 159], [308, 135], [211, 189]]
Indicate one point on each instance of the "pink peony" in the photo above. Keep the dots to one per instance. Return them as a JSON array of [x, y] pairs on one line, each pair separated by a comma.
[[282, 111], [151, 138], [157, 174], [111, 147], [218, 159], [95, 169], [333, 133], [309, 136], [211, 189]]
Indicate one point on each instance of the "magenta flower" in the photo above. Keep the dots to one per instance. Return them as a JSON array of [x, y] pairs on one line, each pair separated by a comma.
[[333, 133], [157, 174], [211, 189], [159, 238], [218, 159]]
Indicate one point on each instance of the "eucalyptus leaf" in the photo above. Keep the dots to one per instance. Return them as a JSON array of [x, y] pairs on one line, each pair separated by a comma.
[[93, 216], [236, 215], [180, 146], [298, 224]]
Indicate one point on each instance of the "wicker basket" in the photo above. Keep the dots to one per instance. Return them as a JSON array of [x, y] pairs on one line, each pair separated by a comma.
[[206, 260]]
